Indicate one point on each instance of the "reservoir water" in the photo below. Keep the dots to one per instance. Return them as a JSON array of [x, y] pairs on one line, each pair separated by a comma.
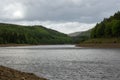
[[63, 62]]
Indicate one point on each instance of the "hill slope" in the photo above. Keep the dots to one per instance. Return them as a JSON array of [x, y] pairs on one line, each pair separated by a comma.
[[105, 33], [10, 33]]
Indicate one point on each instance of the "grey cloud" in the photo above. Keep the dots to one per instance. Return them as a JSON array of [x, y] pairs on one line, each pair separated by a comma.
[[86, 11], [66, 10], [63, 15]]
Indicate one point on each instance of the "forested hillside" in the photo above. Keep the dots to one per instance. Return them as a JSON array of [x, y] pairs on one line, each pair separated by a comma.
[[10, 33], [108, 28]]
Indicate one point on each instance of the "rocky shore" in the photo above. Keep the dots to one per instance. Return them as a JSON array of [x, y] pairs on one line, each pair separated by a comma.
[[11, 74]]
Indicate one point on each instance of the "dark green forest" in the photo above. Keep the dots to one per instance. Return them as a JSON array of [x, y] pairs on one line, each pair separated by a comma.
[[17, 34], [108, 28]]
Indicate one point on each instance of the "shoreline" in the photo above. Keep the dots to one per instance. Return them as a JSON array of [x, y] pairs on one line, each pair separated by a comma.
[[14, 45], [12, 74], [87, 45], [98, 45]]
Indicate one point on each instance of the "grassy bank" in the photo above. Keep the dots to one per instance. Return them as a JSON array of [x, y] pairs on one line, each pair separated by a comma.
[[11, 74], [103, 40], [101, 43]]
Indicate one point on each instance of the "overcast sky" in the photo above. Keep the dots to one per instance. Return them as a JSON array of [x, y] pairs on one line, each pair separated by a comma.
[[66, 16]]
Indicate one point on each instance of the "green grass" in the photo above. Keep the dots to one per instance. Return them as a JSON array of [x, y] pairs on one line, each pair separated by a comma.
[[103, 40]]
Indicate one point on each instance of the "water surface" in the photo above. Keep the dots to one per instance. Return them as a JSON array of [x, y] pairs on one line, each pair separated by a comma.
[[64, 62]]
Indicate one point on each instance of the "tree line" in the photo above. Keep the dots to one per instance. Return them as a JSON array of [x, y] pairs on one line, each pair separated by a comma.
[[108, 28]]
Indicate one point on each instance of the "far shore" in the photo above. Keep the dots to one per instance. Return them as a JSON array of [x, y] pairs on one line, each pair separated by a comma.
[[14, 45], [87, 45], [11, 74], [99, 45], [10, 45]]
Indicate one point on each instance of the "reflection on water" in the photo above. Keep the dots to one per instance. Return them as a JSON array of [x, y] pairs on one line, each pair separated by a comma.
[[64, 62]]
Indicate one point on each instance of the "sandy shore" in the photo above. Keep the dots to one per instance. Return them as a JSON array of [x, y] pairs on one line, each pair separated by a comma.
[[11, 74], [98, 45]]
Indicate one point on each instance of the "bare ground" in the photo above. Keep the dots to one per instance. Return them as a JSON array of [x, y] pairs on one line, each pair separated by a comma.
[[11, 74], [99, 45]]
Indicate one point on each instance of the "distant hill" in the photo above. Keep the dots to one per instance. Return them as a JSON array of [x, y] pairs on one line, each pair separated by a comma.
[[85, 33], [74, 34], [11, 33], [80, 36], [81, 33]]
